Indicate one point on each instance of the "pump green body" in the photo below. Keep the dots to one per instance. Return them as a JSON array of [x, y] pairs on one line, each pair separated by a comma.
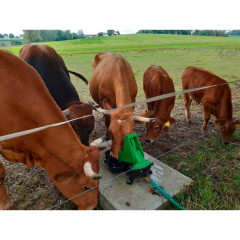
[[133, 153]]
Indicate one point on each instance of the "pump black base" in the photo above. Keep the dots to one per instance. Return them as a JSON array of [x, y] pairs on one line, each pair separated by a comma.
[[116, 167], [138, 174]]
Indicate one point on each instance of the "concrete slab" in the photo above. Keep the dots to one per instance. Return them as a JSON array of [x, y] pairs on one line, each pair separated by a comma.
[[116, 194]]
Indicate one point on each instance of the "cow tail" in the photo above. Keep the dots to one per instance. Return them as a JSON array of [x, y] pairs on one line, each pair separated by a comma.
[[79, 75]]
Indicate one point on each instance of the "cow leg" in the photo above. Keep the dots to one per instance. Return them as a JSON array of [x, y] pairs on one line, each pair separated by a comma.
[[206, 116], [5, 202], [107, 119], [187, 104]]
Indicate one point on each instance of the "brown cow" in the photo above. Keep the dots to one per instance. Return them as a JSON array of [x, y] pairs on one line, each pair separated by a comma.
[[113, 85], [55, 75], [215, 100], [156, 82], [26, 103]]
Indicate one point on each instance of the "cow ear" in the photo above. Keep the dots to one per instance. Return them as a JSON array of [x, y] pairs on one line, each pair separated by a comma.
[[106, 104], [219, 122], [64, 176], [172, 120]]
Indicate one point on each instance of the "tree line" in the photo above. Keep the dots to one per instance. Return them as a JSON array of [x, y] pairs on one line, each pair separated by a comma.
[[222, 33], [50, 35], [10, 35]]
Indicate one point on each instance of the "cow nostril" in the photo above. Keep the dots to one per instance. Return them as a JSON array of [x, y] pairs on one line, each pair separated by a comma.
[[147, 140], [226, 143]]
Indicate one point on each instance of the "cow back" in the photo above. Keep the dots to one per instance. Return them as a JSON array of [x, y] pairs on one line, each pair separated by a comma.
[[112, 79], [156, 81], [194, 77], [53, 71]]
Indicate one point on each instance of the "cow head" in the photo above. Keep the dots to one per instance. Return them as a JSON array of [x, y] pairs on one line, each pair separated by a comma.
[[155, 128], [83, 127], [121, 124], [227, 128], [76, 180]]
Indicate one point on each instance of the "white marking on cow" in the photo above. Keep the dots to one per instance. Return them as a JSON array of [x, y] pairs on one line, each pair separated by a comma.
[[98, 141], [121, 121]]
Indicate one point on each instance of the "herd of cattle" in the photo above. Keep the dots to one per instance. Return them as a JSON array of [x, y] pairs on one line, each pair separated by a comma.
[[36, 90]]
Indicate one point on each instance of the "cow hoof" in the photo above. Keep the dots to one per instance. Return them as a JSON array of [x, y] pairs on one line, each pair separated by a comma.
[[189, 122]]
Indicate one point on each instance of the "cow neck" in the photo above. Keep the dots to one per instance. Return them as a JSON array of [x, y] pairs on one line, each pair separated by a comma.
[[161, 110], [123, 98], [65, 147], [225, 108]]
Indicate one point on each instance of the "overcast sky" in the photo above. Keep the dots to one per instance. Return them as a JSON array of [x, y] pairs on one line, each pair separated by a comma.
[[126, 16]]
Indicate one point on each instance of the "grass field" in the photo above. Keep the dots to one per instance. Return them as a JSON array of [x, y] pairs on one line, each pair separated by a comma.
[[216, 181]]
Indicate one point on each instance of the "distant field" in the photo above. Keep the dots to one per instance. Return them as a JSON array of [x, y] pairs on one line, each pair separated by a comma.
[[138, 42]]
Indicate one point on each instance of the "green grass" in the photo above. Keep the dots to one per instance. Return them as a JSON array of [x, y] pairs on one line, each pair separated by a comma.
[[215, 169], [216, 183]]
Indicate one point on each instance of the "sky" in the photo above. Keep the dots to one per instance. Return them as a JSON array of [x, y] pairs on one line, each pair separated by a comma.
[[126, 16]]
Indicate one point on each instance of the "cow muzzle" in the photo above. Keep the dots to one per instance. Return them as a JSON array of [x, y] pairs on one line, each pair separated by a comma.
[[150, 141]]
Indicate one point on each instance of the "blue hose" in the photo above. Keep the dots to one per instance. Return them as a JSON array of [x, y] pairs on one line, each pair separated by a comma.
[[166, 195]]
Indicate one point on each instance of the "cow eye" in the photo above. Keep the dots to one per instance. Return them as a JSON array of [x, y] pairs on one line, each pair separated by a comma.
[[85, 188], [156, 128]]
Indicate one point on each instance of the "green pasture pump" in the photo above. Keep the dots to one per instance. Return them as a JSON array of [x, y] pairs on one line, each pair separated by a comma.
[[133, 154], [130, 159]]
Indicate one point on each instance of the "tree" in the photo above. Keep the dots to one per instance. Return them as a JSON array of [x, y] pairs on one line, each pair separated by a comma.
[[48, 35], [100, 34], [67, 35], [75, 36], [80, 33], [31, 35], [110, 32], [5, 35], [1, 36], [11, 35]]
